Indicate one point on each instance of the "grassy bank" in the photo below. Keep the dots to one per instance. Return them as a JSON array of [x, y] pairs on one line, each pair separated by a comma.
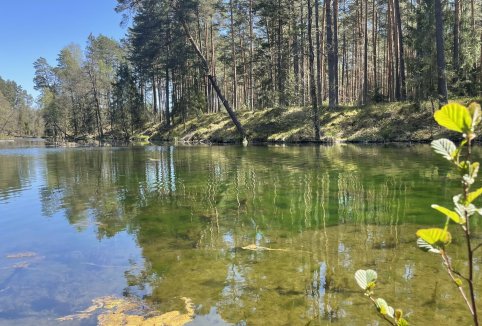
[[389, 122]]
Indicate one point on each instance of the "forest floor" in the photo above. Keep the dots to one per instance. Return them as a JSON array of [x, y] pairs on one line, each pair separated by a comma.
[[387, 122]]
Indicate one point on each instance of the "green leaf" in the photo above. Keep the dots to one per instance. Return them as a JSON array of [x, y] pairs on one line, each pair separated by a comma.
[[474, 169], [475, 112], [451, 214], [463, 210], [384, 308], [435, 237], [444, 147], [402, 322], [422, 244], [454, 117], [473, 195], [366, 278]]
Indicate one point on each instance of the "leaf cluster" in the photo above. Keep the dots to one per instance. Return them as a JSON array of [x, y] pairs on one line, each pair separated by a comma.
[[367, 279], [463, 120]]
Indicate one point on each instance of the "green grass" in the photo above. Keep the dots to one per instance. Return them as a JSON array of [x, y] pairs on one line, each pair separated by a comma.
[[386, 122], [5, 137]]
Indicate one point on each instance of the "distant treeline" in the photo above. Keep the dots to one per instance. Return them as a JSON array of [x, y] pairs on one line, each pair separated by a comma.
[[17, 115], [261, 54]]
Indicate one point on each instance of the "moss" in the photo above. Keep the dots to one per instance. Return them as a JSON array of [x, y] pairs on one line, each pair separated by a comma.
[[381, 122]]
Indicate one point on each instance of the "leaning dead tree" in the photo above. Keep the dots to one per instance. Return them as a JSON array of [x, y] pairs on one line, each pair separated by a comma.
[[181, 10], [212, 80]]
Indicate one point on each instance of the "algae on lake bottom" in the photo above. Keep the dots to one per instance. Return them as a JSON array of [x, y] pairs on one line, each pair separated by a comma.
[[124, 311]]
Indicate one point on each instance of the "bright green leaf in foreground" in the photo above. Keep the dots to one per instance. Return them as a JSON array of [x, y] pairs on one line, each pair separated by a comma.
[[423, 245], [474, 169], [476, 113], [474, 195], [444, 147], [384, 308], [455, 117], [366, 278], [437, 237], [451, 214]]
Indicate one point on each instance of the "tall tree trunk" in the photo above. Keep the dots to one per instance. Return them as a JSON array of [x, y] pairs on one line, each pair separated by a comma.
[[214, 98], [374, 46], [439, 40], [456, 45], [296, 56], [331, 57], [302, 51], [389, 70], [154, 95], [167, 114], [398, 89], [280, 68], [251, 58], [365, 57], [318, 54], [271, 59], [403, 89], [233, 58], [323, 54], [168, 58], [98, 113], [314, 101], [335, 47]]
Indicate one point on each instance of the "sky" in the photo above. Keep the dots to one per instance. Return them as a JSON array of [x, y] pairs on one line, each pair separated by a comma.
[[30, 29]]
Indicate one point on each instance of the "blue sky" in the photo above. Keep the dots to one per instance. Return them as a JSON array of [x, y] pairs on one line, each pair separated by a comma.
[[30, 29]]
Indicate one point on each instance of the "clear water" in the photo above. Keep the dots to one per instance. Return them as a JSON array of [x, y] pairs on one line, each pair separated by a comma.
[[162, 222]]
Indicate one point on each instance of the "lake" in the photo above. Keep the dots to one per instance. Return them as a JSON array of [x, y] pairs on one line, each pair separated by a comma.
[[257, 235]]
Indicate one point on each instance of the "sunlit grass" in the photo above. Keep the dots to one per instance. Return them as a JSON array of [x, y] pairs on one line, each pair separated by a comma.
[[377, 122]]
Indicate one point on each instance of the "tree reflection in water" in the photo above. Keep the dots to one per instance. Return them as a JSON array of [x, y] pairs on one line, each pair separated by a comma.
[[191, 211]]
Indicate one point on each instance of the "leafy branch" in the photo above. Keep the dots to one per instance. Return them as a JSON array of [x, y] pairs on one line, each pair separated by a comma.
[[463, 120], [367, 279]]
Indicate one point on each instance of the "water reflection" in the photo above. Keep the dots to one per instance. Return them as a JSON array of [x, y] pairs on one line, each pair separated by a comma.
[[16, 174], [313, 214]]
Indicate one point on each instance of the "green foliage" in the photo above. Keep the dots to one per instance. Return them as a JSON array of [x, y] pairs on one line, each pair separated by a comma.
[[425, 246], [77, 95], [473, 195], [127, 108], [445, 147], [384, 308], [17, 116], [450, 214], [454, 117], [435, 237], [366, 279], [464, 120]]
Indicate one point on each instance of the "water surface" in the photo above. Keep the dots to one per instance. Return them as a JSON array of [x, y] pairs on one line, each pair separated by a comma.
[[161, 223]]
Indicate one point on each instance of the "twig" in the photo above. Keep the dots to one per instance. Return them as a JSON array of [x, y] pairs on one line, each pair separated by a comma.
[[470, 253], [478, 246], [449, 270]]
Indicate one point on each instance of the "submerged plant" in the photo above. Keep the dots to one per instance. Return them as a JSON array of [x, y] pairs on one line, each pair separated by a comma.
[[463, 120]]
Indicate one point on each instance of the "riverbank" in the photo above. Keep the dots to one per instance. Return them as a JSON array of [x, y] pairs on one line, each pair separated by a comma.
[[388, 122]]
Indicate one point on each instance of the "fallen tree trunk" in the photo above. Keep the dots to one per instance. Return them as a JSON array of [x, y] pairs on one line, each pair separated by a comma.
[[212, 80]]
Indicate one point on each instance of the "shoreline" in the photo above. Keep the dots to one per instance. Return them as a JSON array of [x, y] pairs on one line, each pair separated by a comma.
[[401, 122]]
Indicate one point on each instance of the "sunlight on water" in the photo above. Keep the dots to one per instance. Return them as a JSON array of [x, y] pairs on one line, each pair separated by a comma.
[[251, 236]]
